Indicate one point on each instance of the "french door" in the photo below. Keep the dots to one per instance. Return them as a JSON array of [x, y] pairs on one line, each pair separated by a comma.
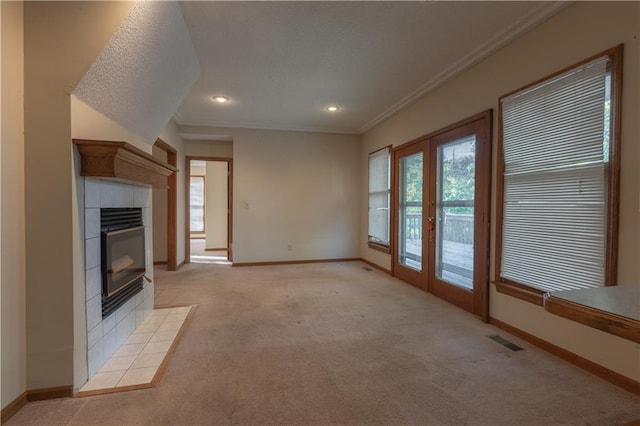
[[441, 234], [409, 172]]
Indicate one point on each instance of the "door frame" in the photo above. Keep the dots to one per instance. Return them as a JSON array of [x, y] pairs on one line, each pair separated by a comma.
[[187, 212], [482, 238], [413, 277], [478, 303], [172, 206]]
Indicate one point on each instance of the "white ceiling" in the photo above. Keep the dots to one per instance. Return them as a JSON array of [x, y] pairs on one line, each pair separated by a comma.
[[282, 63]]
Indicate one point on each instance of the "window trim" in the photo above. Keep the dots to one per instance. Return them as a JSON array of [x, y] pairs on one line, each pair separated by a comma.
[[385, 248], [531, 294]]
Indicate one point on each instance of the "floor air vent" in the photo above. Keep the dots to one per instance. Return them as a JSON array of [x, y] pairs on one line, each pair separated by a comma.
[[504, 342], [366, 268]]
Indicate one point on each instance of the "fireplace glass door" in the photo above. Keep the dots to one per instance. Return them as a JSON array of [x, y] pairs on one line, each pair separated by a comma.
[[123, 260]]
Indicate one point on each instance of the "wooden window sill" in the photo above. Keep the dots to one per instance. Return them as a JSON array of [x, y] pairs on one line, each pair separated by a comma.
[[519, 291], [615, 310], [379, 247]]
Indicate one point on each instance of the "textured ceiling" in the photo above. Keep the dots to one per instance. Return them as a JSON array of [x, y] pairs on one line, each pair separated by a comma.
[[282, 63], [144, 71]]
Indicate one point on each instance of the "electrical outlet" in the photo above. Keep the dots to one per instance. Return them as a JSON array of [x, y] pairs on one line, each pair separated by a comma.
[[289, 247]]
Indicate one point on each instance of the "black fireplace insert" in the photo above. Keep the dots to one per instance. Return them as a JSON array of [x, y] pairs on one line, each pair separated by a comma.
[[122, 259], [122, 256]]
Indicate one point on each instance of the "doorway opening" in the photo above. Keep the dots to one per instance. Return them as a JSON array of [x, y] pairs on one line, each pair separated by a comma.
[[209, 212]]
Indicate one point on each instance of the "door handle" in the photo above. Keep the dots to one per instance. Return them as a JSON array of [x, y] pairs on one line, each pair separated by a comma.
[[430, 227]]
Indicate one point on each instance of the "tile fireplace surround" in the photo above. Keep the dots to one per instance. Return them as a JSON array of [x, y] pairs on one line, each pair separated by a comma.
[[105, 336]]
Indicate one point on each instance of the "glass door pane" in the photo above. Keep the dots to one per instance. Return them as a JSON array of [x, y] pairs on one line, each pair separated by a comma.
[[410, 211], [455, 189]]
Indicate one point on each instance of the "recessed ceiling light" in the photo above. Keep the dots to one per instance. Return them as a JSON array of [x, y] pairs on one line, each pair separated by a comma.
[[221, 99], [333, 108]]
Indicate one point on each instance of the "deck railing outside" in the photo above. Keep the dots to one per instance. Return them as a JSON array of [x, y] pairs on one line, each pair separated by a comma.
[[455, 255], [458, 228]]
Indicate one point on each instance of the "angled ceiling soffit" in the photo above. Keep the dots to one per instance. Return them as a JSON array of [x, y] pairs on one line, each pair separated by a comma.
[[144, 71]]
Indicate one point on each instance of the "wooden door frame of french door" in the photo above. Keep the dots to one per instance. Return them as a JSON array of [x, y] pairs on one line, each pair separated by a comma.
[[478, 304], [415, 278], [172, 206], [187, 211], [484, 195]]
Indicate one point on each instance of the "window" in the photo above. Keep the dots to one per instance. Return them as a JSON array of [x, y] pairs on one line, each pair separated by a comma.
[[196, 202], [558, 181], [379, 198]]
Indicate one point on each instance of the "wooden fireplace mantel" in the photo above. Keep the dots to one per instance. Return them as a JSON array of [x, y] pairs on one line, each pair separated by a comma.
[[122, 162]]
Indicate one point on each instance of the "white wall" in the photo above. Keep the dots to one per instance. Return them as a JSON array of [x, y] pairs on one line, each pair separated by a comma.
[[581, 30], [216, 205], [12, 249]]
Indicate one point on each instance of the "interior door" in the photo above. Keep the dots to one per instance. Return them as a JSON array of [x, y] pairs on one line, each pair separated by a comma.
[[409, 251], [459, 177]]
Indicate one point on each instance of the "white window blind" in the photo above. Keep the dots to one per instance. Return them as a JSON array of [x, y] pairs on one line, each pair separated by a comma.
[[379, 189], [555, 143], [196, 194]]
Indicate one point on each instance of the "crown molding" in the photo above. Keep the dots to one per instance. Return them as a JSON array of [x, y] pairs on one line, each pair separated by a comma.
[[510, 33], [205, 137], [177, 118]]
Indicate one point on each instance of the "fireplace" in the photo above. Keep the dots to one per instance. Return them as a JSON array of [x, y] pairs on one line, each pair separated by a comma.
[[122, 256]]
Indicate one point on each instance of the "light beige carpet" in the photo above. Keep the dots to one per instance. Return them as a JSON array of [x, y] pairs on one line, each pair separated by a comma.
[[333, 343]]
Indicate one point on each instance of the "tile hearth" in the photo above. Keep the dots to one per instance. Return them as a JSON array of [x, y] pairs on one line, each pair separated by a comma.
[[139, 360]]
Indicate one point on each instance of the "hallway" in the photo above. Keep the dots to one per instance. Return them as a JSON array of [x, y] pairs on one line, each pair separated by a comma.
[[200, 255]]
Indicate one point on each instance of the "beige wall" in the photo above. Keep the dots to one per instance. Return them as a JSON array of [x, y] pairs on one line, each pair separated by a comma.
[[87, 123], [12, 249], [216, 204], [61, 41], [579, 31], [218, 149], [295, 194], [198, 170]]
